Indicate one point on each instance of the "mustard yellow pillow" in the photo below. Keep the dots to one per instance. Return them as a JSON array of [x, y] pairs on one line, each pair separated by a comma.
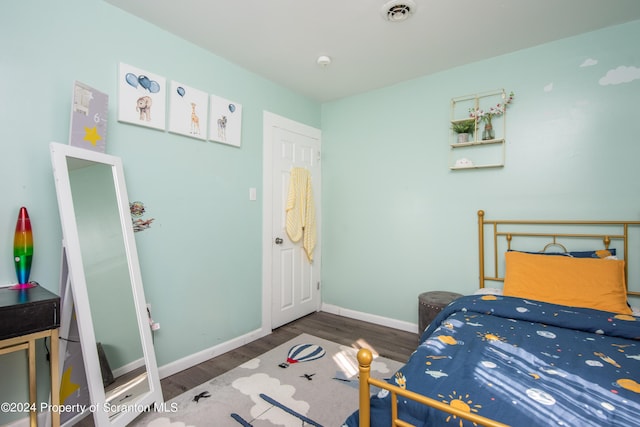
[[577, 282]]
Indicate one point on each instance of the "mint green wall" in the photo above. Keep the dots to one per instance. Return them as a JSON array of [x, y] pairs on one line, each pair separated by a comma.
[[398, 222], [201, 259]]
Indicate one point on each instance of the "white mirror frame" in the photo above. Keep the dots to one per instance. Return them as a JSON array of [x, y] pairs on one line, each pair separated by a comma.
[[59, 155]]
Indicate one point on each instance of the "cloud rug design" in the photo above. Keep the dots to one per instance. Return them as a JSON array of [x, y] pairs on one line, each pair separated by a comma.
[[307, 381]]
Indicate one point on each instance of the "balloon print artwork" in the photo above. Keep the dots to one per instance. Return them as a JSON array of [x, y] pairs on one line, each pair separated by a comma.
[[188, 108], [225, 121], [151, 85], [141, 97]]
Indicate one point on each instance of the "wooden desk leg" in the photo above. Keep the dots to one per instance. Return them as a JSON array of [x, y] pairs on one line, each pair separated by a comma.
[[55, 380], [33, 415]]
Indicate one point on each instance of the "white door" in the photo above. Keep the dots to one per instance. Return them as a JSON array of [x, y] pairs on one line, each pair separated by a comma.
[[292, 283]]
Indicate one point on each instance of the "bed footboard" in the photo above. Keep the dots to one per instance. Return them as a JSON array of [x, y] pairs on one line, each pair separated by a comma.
[[364, 361]]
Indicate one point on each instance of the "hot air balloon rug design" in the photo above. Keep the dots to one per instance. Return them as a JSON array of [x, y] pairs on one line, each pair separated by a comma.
[[260, 393], [303, 353], [23, 250]]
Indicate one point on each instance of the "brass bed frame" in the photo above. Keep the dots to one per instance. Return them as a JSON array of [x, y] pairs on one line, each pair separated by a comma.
[[608, 232], [555, 233]]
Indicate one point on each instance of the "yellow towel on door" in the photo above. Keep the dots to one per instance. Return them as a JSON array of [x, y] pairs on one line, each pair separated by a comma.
[[301, 211]]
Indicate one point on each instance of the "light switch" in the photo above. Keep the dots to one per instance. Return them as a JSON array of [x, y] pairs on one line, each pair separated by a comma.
[[252, 194]]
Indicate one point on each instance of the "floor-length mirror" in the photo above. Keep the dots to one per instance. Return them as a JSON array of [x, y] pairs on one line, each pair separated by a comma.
[[117, 349]]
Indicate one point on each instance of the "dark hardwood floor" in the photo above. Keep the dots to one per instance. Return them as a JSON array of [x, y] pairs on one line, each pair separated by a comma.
[[388, 342]]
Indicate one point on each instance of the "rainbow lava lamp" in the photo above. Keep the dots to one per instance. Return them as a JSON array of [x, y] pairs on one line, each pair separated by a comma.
[[23, 250]]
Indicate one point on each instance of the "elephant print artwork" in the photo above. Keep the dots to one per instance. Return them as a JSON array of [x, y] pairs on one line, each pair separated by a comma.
[[140, 92], [143, 105]]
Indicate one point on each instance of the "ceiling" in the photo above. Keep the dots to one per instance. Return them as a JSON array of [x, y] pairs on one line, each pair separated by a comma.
[[282, 39]]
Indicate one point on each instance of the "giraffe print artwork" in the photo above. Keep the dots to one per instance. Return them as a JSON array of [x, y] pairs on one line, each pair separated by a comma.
[[188, 111], [195, 121]]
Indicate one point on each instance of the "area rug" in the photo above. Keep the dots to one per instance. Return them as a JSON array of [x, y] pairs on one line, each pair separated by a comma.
[[307, 381]]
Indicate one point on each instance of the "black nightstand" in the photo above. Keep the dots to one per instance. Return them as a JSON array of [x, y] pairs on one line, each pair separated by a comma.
[[27, 315]]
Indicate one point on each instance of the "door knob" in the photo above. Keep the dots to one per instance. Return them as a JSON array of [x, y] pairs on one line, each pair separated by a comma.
[[279, 241]]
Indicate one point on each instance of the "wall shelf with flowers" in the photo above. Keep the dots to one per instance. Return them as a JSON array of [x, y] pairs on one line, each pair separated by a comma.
[[478, 130]]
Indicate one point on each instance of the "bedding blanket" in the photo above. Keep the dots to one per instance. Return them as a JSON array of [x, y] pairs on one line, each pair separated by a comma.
[[521, 362]]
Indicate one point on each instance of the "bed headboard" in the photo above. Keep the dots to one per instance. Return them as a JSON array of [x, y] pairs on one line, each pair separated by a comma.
[[495, 237]]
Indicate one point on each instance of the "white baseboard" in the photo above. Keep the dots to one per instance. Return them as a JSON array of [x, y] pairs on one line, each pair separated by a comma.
[[206, 354], [176, 366], [371, 318], [128, 367]]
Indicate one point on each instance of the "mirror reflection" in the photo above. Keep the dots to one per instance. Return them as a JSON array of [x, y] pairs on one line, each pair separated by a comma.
[[107, 278], [121, 375]]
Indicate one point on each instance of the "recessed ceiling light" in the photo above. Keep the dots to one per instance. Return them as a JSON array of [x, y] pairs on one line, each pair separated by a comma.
[[323, 60], [398, 10]]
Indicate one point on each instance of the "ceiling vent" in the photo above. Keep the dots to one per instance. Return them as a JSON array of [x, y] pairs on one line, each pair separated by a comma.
[[398, 10]]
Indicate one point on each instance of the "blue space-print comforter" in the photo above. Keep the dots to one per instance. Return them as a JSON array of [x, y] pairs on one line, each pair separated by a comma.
[[522, 362]]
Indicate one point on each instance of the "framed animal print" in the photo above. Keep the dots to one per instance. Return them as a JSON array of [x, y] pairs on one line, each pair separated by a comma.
[[188, 108], [225, 121], [142, 97]]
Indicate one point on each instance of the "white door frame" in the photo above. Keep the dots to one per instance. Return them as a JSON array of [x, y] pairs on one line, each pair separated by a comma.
[[270, 120]]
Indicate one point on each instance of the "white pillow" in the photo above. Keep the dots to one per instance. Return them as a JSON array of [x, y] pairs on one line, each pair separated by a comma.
[[488, 291]]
